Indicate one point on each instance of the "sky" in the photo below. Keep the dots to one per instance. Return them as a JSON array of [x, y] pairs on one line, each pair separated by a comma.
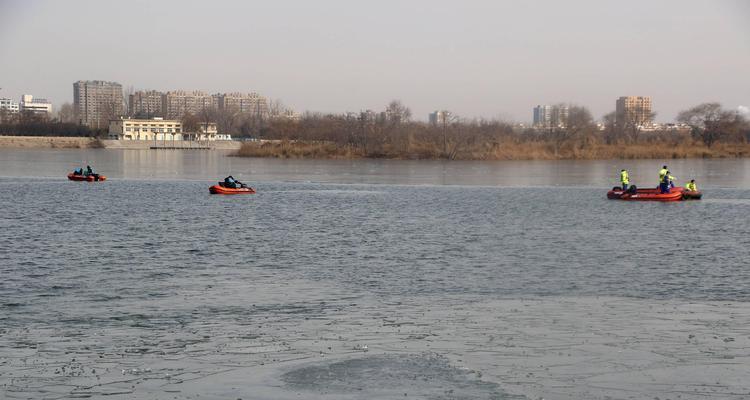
[[488, 59]]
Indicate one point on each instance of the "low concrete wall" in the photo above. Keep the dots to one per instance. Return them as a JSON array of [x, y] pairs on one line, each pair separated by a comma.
[[147, 144], [48, 142]]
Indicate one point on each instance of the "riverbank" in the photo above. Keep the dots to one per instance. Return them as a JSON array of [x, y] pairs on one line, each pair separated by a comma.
[[510, 150], [63, 142], [49, 142]]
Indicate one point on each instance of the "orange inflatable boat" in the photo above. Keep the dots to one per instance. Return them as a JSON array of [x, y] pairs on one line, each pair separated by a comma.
[[675, 194], [87, 178], [220, 189]]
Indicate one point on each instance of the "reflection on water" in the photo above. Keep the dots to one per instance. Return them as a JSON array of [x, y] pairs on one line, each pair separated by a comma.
[[211, 165]]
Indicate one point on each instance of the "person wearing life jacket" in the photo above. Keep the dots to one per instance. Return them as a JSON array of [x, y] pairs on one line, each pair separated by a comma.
[[691, 186], [666, 183], [78, 171], [624, 180], [663, 171]]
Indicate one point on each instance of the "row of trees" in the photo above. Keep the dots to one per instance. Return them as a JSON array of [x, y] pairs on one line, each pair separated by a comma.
[[392, 133], [28, 123]]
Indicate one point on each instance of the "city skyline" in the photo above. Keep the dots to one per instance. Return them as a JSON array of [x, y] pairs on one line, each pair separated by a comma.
[[483, 59]]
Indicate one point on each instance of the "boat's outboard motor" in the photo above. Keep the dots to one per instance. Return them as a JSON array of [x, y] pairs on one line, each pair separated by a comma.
[[632, 189]]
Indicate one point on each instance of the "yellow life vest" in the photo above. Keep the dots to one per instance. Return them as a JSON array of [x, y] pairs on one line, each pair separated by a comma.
[[662, 173], [624, 178], [691, 187]]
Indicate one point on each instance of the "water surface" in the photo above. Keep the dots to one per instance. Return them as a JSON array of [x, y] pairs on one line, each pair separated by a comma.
[[148, 277]]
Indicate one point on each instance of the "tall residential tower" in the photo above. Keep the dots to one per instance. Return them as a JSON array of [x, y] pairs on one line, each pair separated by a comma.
[[97, 102], [634, 109]]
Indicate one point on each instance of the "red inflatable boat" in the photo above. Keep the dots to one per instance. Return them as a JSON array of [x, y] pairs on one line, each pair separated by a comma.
[[220, 189], [87, 178], [675, 194]]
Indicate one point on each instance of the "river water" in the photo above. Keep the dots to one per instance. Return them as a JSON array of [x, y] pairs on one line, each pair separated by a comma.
[[369, 279]]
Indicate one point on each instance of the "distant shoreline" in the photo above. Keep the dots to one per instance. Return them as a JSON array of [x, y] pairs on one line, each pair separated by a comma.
[[79, 142], [330, 151], [502, 152]]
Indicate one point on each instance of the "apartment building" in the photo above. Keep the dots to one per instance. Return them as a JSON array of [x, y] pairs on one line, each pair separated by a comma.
[[250, 103], [634, 109], [146, 104], [97, 102], [551, 116], [176, 104]]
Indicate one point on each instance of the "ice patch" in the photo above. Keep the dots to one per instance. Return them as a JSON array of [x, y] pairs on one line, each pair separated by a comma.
[[426, 375]]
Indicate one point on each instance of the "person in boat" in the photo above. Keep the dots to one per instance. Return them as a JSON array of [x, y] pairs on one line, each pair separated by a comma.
[[624, 180], [662, 172], [90, 172], [691, 186], [667, 183], [78, 171], [229, 182]]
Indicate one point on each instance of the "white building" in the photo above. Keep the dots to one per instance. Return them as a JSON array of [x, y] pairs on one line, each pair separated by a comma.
[[439, 118], [36, 106], [159, 129], [9, 105]]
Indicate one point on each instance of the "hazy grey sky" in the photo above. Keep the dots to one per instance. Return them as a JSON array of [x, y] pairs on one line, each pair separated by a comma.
[[477, 58]]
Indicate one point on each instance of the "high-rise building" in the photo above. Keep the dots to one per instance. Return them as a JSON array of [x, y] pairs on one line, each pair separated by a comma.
[[551, 116], [38, 106], [97, 102], [180, 102], [439, 117], [634, 109], [542, 116], [250, 103], [147, 104]]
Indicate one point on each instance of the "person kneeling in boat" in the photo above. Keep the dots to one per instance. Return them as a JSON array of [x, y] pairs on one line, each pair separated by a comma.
[[78, 171], [90, 172], [691, 186], [624, 180], [666, 183], [230, 182]]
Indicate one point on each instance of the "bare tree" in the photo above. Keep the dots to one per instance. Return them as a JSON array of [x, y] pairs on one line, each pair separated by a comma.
[[276, 108], [208, 115], [612, 132], [710, 123], [190, 123], [631, 122], [397, 113], [66, 113], [127, 93]]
